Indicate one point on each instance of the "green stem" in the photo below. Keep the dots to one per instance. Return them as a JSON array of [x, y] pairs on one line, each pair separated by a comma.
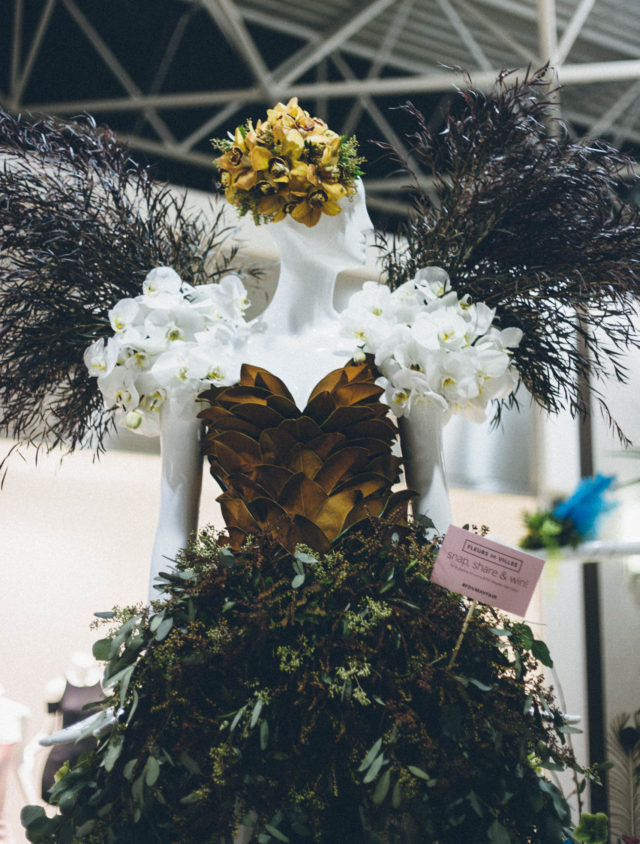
[[465, 627]]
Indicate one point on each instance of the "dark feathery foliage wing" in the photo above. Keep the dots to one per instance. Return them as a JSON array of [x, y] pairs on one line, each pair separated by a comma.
[[530, 223], [81, 224]]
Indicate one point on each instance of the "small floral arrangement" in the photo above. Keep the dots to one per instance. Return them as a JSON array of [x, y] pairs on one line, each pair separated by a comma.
[[292, 164], [431, 345], [172, 341], [572, 520]]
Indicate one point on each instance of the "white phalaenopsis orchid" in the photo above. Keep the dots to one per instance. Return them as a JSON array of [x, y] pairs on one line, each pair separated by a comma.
[[432, 346], [172, 341]]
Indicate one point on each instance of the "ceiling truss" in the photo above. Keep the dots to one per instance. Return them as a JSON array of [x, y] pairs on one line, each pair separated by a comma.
[[526, 32]]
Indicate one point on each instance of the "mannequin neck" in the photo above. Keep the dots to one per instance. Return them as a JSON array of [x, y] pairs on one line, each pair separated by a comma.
[[304, 296]]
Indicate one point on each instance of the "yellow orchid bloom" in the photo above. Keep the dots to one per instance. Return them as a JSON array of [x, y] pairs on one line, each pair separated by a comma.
[[311, 208], [290, 164]]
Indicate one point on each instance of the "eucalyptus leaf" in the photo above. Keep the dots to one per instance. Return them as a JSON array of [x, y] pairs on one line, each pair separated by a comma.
[[303, 557], [382, 788], [134, 705], [257, 709], [541, 652], [297, 581], [371, 755], [264, 735], [102, 649], [151, 771], [30, 813], [227, 557], [156, 621], [127, 771], [163, 629], [396, 796], [187, 762], [498, 834], [137, 790], [237, 717], [418, 772], [106, 614], [480, 685], [85, 828], [374, 770], [113, 752], [280, 836]]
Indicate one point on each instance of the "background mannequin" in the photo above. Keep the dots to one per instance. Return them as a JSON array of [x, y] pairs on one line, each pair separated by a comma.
[[13, 716]]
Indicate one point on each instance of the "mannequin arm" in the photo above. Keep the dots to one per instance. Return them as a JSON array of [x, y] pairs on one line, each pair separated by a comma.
[[421, 441], [180, 489]]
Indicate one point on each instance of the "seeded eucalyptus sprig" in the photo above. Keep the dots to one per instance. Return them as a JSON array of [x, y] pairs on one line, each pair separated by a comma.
[[532, 224], [81, 224]]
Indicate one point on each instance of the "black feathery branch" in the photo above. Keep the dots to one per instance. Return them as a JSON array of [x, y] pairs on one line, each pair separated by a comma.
[[532, 224], [81, 224]]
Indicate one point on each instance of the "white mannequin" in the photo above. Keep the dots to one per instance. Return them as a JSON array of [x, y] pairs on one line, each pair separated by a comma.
[[13, 717], [297, 339]]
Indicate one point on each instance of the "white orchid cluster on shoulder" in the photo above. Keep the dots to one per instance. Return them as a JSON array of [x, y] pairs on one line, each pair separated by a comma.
[[171, 342], [432, 346]]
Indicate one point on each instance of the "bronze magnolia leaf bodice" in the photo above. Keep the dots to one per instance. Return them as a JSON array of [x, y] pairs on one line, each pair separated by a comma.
[[301, 476]]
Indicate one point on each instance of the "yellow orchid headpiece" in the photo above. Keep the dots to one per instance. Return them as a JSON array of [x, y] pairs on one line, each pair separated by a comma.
[[290, 164]]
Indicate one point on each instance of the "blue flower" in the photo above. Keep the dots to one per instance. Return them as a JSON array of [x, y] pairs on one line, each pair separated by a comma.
[[586, 505]]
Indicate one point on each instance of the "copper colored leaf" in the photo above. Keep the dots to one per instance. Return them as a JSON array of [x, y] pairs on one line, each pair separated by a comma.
[[304, 532], [221, 419], [333, 513], [267, 512], [236, 513], [301, 429], [272, 478], [358, 393], [368, 483], [306, 461], [303, 496], [264, 378], [245, 486], [260, 415], [326, 443], [328, 383], [342, 462], [285, 407], [320, 407], [343, 417], [382, 429]]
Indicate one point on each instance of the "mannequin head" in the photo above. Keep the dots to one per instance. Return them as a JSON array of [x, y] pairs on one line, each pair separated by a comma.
[[338, 242]]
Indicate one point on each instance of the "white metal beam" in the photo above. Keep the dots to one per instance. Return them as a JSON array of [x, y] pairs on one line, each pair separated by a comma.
[[616, 110], [584, 73], [547, 30], [548, 47], [226, 16], [390, 39], [36, 42], [589, 35], [15, 49], [326, 42], [377, 116], [307, 33], [491, 26], [572, 31], [466, 35], [208, 127], [116, 68]]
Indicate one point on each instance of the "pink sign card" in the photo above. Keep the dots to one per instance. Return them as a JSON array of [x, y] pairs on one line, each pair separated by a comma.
[[487, 571]]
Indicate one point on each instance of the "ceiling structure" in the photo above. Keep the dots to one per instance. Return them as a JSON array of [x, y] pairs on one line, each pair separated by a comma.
[[168, 75]]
